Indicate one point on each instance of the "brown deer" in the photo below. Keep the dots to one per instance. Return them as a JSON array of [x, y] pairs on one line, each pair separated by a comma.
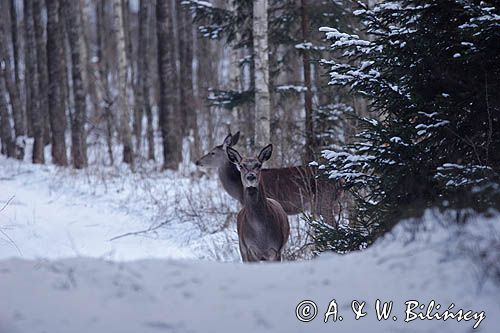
[[263, 228], [297, 189]]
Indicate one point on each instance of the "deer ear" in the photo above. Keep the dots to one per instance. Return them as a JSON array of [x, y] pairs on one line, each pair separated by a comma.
[[265, 153], [235, 139], [233, 155], [228, 140]]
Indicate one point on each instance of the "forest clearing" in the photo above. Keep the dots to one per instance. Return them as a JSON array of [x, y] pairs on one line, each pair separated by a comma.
[[249, 165]]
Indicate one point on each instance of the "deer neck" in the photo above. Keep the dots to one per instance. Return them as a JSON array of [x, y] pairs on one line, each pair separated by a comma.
[[230, 178], [254, 199]]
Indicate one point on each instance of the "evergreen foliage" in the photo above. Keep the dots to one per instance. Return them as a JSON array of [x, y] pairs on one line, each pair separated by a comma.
[[431, 69]]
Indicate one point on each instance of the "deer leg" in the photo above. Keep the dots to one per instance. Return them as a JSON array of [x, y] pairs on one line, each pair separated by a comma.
[[243, 252]]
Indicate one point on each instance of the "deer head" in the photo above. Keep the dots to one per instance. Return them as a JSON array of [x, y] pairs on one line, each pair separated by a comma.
[[250, 167], [217, 156]]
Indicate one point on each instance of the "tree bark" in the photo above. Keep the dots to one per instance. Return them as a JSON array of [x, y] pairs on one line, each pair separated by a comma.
[[188, 108], [8, 146], [261, 74], [144, 78], [33, 105], [12, 85], [123, 108], [168, 106], [103, 74], [56, 71], [78, 117], [41, 56], [309, 129], [15, 43]]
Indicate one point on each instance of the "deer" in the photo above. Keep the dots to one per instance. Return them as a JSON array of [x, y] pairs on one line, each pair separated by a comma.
[[262, 223], [297, 188]]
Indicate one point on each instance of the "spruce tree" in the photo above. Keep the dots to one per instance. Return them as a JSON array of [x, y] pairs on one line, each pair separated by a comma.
[[431, 69]]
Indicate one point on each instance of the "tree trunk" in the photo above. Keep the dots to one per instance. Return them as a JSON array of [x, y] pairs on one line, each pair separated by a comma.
[[261, 74], [12, 87], [41, 61], [56, 70], [168, 106], [122, 104], [15, 43], [188, 108], [103, 74], [78, 117], [8, 146], [33, 105], [144, 78], [309, 130]]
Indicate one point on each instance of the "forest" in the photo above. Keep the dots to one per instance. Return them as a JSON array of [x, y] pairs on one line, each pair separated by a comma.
[[353, 141]]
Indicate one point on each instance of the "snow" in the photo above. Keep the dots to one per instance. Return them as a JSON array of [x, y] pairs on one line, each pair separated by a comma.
[[60, 273], [57, 213]]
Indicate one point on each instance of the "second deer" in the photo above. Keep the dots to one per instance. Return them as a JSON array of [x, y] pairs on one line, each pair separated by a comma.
[[297, 189], [263, 228]]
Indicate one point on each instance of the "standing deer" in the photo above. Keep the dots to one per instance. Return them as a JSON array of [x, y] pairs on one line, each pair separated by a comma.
[[263, 228], [296, 188]]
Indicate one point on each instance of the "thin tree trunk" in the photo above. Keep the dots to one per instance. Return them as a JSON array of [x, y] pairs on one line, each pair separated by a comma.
[[188, 108], [103, 74], [33, 105], [78, 117], [309, 130], [144, 79], [15, 43], [122, 100], [139, 92], [8, 146], [91, 73], [55, 52], [41, 56], [261, 74], [168, 106], [12, 87]]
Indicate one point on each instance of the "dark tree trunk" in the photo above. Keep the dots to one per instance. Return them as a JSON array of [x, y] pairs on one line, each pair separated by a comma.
[[56, 70], [141, 61], [12, 87], [188, 107], [309, 129], [168, 106], [8, 146], [78, 117], [33, 105], [144, 80], [41, 61], [15, 43]]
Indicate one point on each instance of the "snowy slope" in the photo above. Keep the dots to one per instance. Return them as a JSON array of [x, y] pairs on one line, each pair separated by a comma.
[[60, 273], [92, 295]]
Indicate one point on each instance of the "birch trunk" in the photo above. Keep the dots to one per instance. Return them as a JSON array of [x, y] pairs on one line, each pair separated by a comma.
[[309, 130], [261, 74], [123, 108]]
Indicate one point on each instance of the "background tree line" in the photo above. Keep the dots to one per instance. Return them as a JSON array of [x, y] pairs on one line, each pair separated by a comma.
[[85, 77]]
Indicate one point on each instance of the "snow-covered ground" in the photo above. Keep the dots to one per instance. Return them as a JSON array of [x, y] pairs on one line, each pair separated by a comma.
[[60, 272], [59, 212]]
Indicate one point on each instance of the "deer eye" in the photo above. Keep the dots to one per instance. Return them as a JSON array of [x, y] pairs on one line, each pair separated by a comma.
[[212, 153]]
